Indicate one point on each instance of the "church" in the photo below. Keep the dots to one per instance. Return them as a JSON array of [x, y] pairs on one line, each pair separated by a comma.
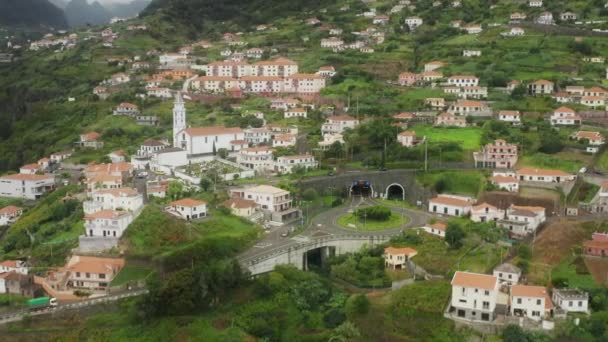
[[202, 143]]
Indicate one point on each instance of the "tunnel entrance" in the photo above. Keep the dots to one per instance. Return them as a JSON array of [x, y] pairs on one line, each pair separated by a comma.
[[361, 188], [395, 192], [315, 258]]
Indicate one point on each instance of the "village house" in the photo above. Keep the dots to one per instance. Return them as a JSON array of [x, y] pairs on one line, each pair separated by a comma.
[[117, 156], [103, 181], [593, 139], [520, 221], [122, 169], [595, 91], [472, 92], [101, 92], [9, 215], [413, 22], [597, 246], [26, 186], [90, 140], [119, 78], [511, 116], [509, 183], [332, 42], [485, 212], [571, 300], [381, 20], [404, 117], [452, 205], [85, 272], [450, 120], [473, 28], [430, 76], [257, 136], [126, 108], [545, 18], [499, 155], [408, 139], [535, 3], [240, 207], [330, 139], [456, 23], [595, 59], [532, 302], [284, 140], [468, 107], [474, 296], [600, 201], [258, 158], [338, 124], [434, 65], [544, 175], [471, 53], [567, 16], [30, 169], [106, 224], [18, 284], [507, 274], [126, 199], [593, 101], [575, 90], [335, 31], [463, 81], [397, 258], [541, 87], [326, 71], [255, 53], [160, 92], [437, 228], [187, 209], [408, 78], [142, 158], [17, 266], [435, 102], [276, 201], [517, 16], [206, 140], [297, 112], [562, 97], [514, 32], [140, 65], [565, 116], [286, 164]]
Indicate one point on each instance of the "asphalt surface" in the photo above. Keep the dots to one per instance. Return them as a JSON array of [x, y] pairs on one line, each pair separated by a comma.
[[325, 224]]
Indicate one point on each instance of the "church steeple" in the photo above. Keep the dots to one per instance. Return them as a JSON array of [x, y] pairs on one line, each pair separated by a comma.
[[179, 118]]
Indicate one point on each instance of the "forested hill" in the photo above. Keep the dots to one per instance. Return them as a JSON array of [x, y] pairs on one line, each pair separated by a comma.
[[31, 13], [244, 13]]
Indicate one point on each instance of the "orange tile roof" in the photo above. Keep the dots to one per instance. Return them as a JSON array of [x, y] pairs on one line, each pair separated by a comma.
[[528, 291], [564, 109], [408, 134], [129, 192], [187, 202], [306, 76], [9, 263], [589, 135], [404, 115], [110, 167], [483, 206], [212, 130], [239, 203], [278, 61], [468, 103], [503, 179], [104, 177], [105, 214], [439, 225], [24, 177], [127, 104], [83, 264], [541, 172], [542, 82], [32, 166], [410, 252], [476, 280], [450, 201], [10, 210], [466, 77]]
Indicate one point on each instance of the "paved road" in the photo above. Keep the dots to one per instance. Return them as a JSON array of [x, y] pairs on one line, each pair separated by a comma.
[[325, 224], [19, 314]]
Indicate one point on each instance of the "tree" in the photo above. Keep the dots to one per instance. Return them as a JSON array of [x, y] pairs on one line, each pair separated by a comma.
[[454, 235], [357, 305], [345, 333], [174, 189], [519, 92], [205, 183], [310, 194], [514, 333]]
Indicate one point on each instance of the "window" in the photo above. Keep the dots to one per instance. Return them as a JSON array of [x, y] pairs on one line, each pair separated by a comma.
[[570, 303], [580, 303], [88, 275], [487, 293], [518, 300], [538, 302], [78, 274], [102, 276]]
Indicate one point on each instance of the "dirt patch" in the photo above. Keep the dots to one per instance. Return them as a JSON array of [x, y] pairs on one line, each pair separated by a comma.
[[598, 267], [557, 239], [220, 324]]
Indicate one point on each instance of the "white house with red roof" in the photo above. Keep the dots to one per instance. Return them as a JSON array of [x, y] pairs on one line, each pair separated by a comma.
[[528, 174], [533, 302], [326, 71], [397, 258], [565, 116], [486, 212], [594, 139], [206, 140], [474, 296], [107, 223], [90, 140], [10, 214], [117, 156], [26, 186], [541, 87], [338, 123], [286, 164], [509, 183], [127, 199], [126, 108], [284, 140], [463, 81], [511, 116], [451, 205], [298, 112], [433, 65], [17, 266], [408, 139], [520, 221], [450, 120], [187, 209], [437, 228], [103, 181], [258, 158], [408, 78], [30, 169], [497, 155], [593, 101], [468, 107]]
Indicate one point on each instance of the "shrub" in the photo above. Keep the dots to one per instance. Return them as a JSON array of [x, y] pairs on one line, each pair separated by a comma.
[[357, 305], [377, 213]]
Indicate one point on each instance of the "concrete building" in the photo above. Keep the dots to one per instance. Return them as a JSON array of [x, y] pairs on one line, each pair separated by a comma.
[[286, 164], [126, 199], [522, 220], [9, 215], [438, 228], [85, 272], [485, 212], [397, 258], [474, 296], [527, 174], [240, 207], [187, 209], [507, 274], [530, 301], [26, 186], [571, 300], [500, 154], [451, 205], [258, 158]]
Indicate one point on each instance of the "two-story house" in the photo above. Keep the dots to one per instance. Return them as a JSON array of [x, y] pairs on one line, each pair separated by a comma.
[[474, 296]]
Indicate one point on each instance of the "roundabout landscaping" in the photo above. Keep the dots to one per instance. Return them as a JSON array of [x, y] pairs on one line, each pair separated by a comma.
[[355, 222]]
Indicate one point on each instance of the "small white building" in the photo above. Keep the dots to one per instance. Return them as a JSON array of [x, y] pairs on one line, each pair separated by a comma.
[[413, 22], [286, 164], [571, 300], [26, 186], [408, 139], [438, 228], [397, 258], [471, 53], [485, 212], [521, 221], [507, 274], [17, 266], [452, 205], [509, 183], [188, 209], [258, 158], [544, 175], [107, 223], [126, 199], [511, 116], [10, 214], [474, 296], [530, 301], [463, 81], [284, 140], [297, 112], [339, 123]]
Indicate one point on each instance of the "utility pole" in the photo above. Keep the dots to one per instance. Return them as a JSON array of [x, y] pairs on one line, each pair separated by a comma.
[[426, 155]]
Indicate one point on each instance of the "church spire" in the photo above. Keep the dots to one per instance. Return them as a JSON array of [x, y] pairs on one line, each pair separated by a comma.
[[179, 118]]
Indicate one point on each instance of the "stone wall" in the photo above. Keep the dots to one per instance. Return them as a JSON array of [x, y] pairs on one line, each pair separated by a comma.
[[96, 244]]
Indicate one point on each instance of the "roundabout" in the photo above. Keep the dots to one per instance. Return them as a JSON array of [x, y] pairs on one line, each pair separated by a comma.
[[355, 223]]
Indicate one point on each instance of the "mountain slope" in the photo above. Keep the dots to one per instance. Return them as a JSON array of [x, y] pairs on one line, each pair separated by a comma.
[[80, 13], [197, 13], [130, 9], [31, 13]]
